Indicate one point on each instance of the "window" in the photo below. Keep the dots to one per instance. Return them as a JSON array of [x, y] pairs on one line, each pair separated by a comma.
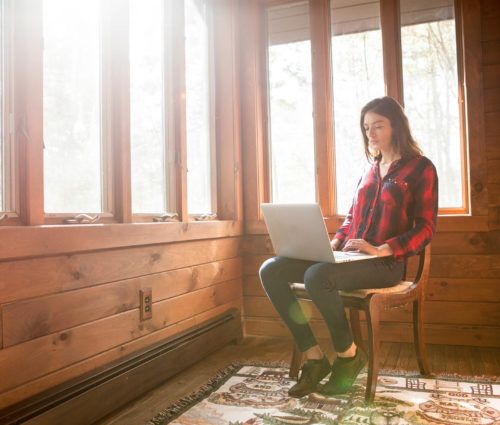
[[198, 106], [430, 76], [431, 91], [147, 107], [358, 77], [73, 160], [291, 133]]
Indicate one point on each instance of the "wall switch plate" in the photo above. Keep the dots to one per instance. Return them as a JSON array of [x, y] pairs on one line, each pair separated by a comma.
[[146, 303]]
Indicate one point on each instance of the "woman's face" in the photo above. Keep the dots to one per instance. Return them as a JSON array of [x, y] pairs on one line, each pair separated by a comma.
[[378, 130]]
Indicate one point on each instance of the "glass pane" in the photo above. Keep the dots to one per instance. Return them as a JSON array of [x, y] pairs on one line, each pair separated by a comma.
[[431, 89], [71, 106], [147, 113], [198, 108], [291, 144], [358, 77]]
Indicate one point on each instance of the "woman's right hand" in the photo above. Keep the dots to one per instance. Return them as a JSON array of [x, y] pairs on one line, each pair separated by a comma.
[[335, 244]]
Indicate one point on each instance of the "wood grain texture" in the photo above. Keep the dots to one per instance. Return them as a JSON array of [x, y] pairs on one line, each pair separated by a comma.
[[52, 240], [482, 336], [28, 114], [83, 366], [35, 317], [43, 276], [320, 29], [24, 362]]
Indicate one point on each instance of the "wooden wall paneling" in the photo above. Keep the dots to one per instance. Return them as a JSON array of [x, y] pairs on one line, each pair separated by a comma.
[[43, 276], [320, 28], [490, 8], [438, 289], [83, 366], [442, 265], [126, 380], [116, 102], [491, 76], [56, 240], [395, 332], [28, 112], [443, 243], [253, 118], [24, 362], [491, 123], [227, 111], [35, 317], [391, 47], [491, 52], [492, 99], [435, 312]]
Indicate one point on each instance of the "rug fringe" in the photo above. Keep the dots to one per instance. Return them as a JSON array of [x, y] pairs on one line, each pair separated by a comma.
[[213, 384]]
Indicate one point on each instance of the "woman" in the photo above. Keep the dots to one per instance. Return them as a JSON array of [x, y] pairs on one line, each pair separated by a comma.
[[393, 216]]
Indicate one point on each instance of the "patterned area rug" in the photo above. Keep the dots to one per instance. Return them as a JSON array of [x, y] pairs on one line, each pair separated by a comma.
[[257, 395]]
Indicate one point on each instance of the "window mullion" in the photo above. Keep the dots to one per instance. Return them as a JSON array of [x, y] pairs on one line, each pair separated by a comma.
[[28, 116], [390, 23], [116, 109], [177, 100], [319, 15]]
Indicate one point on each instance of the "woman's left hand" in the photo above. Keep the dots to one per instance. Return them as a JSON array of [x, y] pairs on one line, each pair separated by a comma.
[[360, 245]]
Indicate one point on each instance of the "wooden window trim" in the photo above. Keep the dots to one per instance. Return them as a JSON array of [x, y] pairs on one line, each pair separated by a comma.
[[28, 117], [468, 20], [322, 83], [49, 240], [27, 56]]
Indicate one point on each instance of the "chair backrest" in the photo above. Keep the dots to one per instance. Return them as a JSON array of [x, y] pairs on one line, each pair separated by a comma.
[[422, 275]]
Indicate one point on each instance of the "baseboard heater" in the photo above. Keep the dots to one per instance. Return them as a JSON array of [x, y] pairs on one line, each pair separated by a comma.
[[92, 396]]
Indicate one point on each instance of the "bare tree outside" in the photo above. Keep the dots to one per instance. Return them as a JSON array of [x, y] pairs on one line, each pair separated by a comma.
[[431, 101], [72, 106], [199, 156], [147, 107], [291, 123], [358, 77]]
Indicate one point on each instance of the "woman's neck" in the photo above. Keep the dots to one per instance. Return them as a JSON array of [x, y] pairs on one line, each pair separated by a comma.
[[388, 157]]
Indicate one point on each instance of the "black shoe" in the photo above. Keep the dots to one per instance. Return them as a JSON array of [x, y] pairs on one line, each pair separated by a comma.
[[311, 374], [344, 373]]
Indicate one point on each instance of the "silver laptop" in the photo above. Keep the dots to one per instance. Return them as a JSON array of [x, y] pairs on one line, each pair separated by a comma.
[[299, 231]]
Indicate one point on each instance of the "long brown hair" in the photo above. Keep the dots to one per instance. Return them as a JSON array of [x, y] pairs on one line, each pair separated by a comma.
[[402, 140]]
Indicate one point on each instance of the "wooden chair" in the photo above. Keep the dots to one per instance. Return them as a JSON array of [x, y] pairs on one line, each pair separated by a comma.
[[372, 301]]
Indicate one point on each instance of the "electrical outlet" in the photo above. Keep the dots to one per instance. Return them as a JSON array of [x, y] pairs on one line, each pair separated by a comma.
[[146, 303]]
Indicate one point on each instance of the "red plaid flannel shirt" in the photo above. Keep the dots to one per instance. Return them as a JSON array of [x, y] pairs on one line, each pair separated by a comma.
[[400, 209]]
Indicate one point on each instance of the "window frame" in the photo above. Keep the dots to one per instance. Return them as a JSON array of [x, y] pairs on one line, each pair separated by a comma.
[[27, 119], [10, 177], [474, 207]]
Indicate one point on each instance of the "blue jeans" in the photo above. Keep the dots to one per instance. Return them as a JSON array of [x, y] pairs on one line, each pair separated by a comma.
[[323, 282]]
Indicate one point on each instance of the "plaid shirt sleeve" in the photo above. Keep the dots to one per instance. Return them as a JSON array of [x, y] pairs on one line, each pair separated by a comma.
[[425, 215], [344, 228]]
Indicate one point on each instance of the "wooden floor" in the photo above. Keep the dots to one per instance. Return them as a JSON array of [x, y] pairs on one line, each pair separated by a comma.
[[442, 358]]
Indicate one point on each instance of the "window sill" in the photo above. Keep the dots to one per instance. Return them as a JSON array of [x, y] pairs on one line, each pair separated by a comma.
[[35, 241], [446, 223]]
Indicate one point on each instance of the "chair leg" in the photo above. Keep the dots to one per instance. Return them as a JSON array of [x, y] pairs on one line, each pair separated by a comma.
[[372, 319], [356, 329], [296, 363], [418, 336]]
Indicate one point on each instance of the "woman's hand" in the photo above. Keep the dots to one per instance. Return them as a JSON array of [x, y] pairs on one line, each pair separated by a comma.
[[335, 243], [360, 245]]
